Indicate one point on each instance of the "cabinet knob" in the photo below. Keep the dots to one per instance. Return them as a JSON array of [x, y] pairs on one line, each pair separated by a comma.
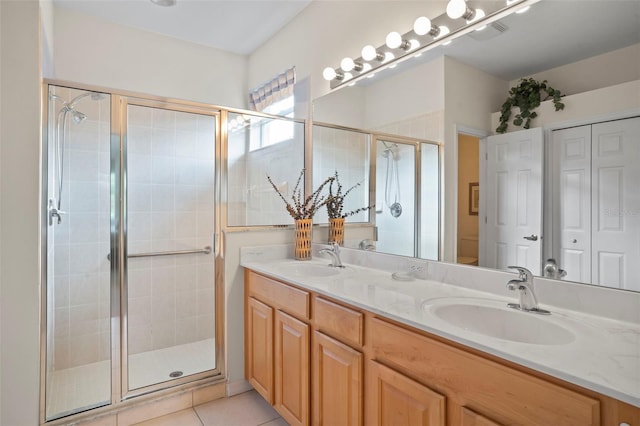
[[624, 424]]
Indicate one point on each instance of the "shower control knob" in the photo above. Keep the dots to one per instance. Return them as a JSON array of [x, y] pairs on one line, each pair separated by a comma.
[[54, 212]]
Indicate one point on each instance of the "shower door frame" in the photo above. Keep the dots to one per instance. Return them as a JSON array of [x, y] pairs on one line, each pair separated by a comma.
[[417, 199], [120, 395]]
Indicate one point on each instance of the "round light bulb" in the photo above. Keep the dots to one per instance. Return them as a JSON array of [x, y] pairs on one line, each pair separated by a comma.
[[479, 14], [443, 31], [347, 64], [329, 73], [394, 40], [422, 25], [413, 44], [365, 68], [347, 76], [369, 53], [456, 8], [388, 56]]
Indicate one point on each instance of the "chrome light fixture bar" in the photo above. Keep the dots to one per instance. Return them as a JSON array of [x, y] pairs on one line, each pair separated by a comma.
[[461, 17]]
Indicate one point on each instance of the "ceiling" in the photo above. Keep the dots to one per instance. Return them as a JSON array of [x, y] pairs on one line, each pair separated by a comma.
[[237, 26], [551, 34]]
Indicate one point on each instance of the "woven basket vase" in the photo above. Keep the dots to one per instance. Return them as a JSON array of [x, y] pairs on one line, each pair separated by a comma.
[[336, 230], [302, 247]]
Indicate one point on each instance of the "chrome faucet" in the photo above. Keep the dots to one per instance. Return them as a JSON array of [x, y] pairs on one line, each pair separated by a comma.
[[551, 270], [334, 251], [524, 285]]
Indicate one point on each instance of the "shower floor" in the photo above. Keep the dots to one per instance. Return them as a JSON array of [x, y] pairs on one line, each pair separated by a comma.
[[90, 385]]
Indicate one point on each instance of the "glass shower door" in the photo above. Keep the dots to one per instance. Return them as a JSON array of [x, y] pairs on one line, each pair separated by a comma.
[[77, 282], [395, 197], [170, 278]]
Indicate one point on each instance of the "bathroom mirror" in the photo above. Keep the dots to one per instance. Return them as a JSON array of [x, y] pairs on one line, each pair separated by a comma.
[[410, 99]]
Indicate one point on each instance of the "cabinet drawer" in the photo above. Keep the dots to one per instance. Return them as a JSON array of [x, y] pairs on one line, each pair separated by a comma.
[[275, 293], [497, 391], [338, 321]]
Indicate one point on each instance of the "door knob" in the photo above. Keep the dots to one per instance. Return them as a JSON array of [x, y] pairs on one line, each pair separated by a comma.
[[531, 238]]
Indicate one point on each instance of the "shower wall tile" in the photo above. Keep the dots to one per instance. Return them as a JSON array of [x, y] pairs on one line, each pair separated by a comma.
[[84, 165], [81, 243], [170, 202], [85, 290], [83, 197]]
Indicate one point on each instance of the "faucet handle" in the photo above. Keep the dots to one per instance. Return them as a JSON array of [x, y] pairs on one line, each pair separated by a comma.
[[334, 246], [525, 274]]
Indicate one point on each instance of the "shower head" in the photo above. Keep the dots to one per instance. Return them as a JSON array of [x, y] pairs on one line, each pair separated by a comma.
[[78, 116], [95, 96]]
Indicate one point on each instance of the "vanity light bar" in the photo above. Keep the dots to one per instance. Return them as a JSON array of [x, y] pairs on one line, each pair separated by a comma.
[[425, 35]]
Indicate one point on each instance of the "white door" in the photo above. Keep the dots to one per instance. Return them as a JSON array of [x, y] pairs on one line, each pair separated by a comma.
[[571, 201], [513, 196], [616, 204]]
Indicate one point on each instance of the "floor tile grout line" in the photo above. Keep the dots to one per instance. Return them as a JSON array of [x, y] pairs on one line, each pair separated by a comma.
[[198, 416]]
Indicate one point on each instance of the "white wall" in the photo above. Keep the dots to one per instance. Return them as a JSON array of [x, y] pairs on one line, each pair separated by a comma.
[[96, 52], [19, 212], [608, 69], [470, 97], [417, 91]]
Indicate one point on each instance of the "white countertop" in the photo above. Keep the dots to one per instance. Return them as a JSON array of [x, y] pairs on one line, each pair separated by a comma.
[[602, 354]]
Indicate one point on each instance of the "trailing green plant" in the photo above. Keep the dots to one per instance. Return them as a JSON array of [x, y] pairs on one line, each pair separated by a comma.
[[527, 96], [335, 200], [303, 208]]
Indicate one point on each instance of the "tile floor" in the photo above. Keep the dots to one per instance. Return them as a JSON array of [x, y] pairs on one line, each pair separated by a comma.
[[245, 409]]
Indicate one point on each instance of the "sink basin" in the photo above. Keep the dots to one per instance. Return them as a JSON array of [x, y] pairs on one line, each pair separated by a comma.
[[311, 270], [503, 323]]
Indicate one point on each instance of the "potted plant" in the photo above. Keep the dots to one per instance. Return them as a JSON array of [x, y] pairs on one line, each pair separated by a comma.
[[335, 209], [302, 211], [527, 96]]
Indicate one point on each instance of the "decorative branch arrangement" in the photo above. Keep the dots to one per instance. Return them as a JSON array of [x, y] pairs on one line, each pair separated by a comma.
[[304, 208], [526, 96], [335, 201]]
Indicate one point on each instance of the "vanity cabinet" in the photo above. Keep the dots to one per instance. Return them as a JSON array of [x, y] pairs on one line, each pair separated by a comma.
[[393, 399], [471, 418], [324, 362], [501, 393], [259, 347], [277, 343], [336, 382]]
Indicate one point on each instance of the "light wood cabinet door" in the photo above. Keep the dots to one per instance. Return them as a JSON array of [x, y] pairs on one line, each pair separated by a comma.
[[393, 399], [292, 369], [471, 418], [337, 383], [259, 347]]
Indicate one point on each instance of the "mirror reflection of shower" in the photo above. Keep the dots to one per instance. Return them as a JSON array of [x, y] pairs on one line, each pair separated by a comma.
[[66, 115], [392, 180]]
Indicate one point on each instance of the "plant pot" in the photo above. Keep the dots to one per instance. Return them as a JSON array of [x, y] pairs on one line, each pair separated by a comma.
[[302, 243], [336, 230]]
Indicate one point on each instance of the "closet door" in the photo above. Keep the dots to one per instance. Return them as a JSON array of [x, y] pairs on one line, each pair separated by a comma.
[[616, 203], [572, 200]]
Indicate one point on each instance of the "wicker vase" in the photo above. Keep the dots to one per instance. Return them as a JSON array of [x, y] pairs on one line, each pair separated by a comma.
[[302, 246], [336, 230]]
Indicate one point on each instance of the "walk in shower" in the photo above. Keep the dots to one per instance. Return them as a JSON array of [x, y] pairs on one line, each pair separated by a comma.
[[407, 197], [129, 225]]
